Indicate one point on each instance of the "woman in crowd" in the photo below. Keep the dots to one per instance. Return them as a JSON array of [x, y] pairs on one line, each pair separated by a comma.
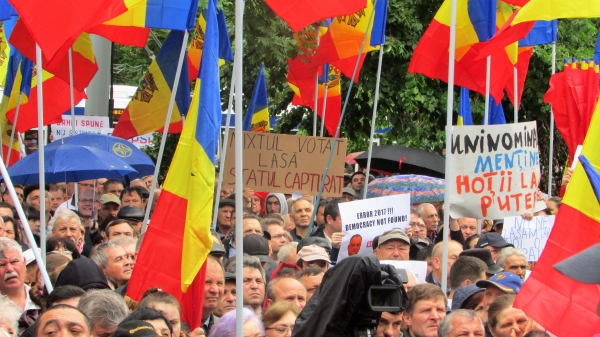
[[154, 317], [225, 326], [279, 319], [167, 304], [506, 321], [62, 246], [12, 231], [469, 297]]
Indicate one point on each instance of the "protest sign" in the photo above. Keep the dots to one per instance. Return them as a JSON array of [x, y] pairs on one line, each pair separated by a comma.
[[287, 163], [418, 268], [363, 220], [494, 170], [529, 235]]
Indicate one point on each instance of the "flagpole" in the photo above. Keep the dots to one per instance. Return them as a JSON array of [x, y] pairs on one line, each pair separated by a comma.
[[239, 163], [316, 105], [516, 94], [163, 141], [223, 153], [38, 256], [339, 127], [373, 124], [449, 110], [42, 179], [324, 105], [488, 67], [551, 147], [12, 132], [72, 98]]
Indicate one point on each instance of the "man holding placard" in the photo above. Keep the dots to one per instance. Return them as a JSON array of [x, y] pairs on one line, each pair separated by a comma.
[[393, 245]]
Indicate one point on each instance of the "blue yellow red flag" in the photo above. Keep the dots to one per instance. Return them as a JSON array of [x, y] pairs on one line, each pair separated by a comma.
[[379, 23], [7, 11], [496, 113], [597, 49], [542, 32], [301, 13], [161, 14], [465, 114], [147, 110], [256, 118]]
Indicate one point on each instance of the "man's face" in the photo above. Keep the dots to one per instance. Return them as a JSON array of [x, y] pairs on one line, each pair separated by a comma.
[[491, 293], [57, 197], [358, 182], [67, 229], [89, 201], [354, 245], [63, 322], [252, 226], [290, 290], [5, 211], [119, 265], [133, 199], [320, 218], [225, 214], [254, 287], [468, 226], [256, 207], [414, 226], [464, 326], [427, 315], [34, 199], [9, 200], [114, 188], [311, 283], [516, 264], [12, 270], [422, 229], [389, 325], [100, 331], [336, 225], [85, 185], [122, 229], [34, 225], [273, 205], [225, 192], [109, 208], [302, 213], [454, 250], [149, 180], [495, 251], [213, 285], [431, 219], [393, 250], [227, 301], [278, 237]]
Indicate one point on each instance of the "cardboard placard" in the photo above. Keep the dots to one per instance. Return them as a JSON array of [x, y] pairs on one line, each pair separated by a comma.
[[529, 235], [494, 170], [369, 218], [286, 163]]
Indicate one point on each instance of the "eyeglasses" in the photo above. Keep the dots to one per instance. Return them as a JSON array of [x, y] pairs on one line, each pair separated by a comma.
[[281, 329], [278, 236]]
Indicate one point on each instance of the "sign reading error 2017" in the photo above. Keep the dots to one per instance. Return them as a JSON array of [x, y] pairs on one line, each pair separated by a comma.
[[286, 163], [494, 170]]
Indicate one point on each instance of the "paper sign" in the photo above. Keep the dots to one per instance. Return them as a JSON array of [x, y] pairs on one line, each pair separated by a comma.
[[494, 170], [418, 268], [529, 235], [285, 163], [363, 220]]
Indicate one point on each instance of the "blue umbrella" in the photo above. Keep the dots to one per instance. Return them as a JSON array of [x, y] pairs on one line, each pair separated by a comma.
[[120, 147], [69, 163]]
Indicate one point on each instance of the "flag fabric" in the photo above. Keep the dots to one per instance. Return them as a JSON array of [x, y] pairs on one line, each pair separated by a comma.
[[496, 113], [13, 86], [194, 54], [549, 297], [378, 31], [301, 13], [542, 32], [123, 35], [53, 35], [56, 102], [5, 50], [7, 11], [524, 56], [84, 61], [162, 14], [547, 10], [597, 49], [147, 110], [183, 212], [465, 114], [256, 118]]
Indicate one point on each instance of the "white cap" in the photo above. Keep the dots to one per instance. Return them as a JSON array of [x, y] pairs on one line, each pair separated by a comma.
[[29, 257]]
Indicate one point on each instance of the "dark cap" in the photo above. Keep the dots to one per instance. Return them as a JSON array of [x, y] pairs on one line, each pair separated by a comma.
[[256, 245], [582, 267], [492, 239], [83, 273], [484, 255], [131, 212], [506, 281], [229, 276], [226, 202], [135, 329], [314, 240], [349, 190], [462, 294], [217, 250], [30, 188]]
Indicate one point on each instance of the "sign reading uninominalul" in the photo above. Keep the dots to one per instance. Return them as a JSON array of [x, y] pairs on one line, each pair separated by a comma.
[[287, 163]]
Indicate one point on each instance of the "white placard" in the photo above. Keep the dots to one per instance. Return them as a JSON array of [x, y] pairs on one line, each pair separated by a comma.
[[529, 235], [494, 170], [365, 219], [418, 268]]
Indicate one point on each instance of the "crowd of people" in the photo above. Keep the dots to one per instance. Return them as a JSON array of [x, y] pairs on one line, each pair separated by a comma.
[[94, 236]]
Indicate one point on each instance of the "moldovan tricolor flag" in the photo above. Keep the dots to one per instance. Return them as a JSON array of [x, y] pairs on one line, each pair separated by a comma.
[[256, 118], [549, 297], [301, 13], [178, 238], [148, 108]]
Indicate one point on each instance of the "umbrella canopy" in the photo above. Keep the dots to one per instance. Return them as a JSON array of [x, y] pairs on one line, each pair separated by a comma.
[[422, 188], [122, 148], [69, 163], [404, 160], [350, 159]]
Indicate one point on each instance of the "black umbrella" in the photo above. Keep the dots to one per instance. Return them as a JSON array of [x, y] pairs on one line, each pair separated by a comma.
[[404, 160]]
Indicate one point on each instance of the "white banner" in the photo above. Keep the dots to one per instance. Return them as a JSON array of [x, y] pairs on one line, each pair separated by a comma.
[[418, 268], [529, 235], [494, 170], [363, 220]]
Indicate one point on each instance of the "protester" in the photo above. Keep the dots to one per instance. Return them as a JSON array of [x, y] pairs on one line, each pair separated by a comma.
[[389, 324], [105, 309], [63, 320], [426, 309], [484, 255], [506, 321], [461, 323], [302, 210], [226, 325], [114, 262], [332, 229], [287, 252], [83, 273], [313, 255], [112, 186], [286, 289], [227, 300], [454, 249], [358, 182], [57, 197], [226, 212], [254, 282], [468, 227], [429, 214], [279, 319], [213, 290], [9, 316], [275, 203], [469, 297], [393, 245], [119, 227], [133, 214], [155, 318], [465, 270], [62, 246], [513, 260], [311, 277], [500, 284], [110, 206], [278, 235], [494, 242], [414, 226]]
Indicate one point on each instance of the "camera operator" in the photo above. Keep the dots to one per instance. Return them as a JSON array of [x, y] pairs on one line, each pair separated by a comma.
[[390, 324]]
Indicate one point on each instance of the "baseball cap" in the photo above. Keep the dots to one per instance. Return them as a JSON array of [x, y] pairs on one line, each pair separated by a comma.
[[484, 255], [256, 245], [29, 256], [393, 234], [583, 266], [492, 239], [462, 294], [312, 253], [135, 329], [506, 281], [350, 191], [109, 197]]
